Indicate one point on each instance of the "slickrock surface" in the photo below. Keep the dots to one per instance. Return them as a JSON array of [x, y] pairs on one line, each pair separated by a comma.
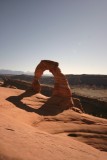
[[27, 133]]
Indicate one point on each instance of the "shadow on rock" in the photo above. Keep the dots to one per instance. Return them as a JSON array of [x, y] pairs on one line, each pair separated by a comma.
[[53, 106]]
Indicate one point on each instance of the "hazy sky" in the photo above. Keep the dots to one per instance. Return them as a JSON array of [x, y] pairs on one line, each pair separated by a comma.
[[71, 32]]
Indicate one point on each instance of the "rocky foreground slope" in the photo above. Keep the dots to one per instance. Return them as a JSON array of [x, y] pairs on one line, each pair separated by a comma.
[[27, 133], [93, 100], [33, 126]]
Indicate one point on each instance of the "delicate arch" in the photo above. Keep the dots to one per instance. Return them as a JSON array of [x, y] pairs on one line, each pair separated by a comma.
[[61, 86]]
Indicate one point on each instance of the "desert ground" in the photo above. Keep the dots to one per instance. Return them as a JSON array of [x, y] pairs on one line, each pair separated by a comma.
[[98, 93], [29, 132]]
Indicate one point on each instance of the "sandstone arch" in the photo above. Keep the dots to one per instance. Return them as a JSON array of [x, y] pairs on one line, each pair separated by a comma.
[[61, 86]]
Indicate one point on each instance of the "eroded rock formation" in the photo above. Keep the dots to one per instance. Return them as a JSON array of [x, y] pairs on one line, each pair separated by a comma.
[[11, 83], [61, 86]]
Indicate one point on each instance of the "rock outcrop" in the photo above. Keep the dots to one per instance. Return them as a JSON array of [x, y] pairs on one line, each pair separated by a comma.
[[61, 86], [11, 83]]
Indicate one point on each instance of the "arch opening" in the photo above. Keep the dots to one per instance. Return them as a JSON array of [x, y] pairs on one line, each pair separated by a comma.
[[47, 83]]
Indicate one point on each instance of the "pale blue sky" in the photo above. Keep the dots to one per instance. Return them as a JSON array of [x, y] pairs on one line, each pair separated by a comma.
[[71, 32]]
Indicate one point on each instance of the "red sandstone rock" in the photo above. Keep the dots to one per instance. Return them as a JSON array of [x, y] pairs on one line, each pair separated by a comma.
[[61, 86]]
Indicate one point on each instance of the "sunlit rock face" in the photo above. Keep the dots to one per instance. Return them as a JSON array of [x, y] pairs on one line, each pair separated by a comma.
[[61, 86]]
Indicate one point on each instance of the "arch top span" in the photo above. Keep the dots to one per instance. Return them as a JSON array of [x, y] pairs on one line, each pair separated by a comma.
[[45, 65]]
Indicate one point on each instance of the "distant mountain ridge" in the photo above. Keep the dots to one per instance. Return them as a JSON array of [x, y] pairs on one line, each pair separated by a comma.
[[83, 79], [12, 72], [90, 80]]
